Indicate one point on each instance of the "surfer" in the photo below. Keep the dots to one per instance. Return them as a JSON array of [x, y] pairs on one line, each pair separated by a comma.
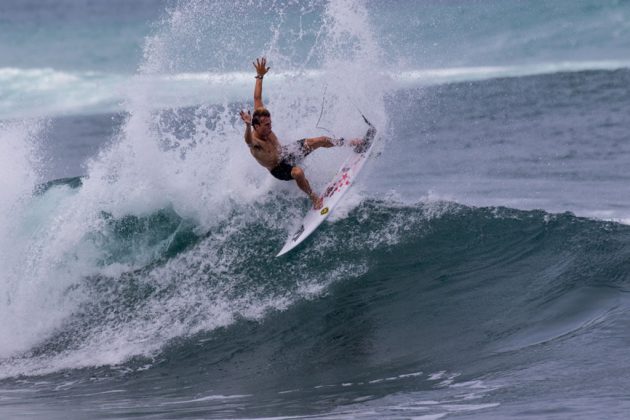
[[281, 161]]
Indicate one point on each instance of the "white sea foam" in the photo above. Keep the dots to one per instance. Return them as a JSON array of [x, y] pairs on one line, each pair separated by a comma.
[[48, 92], [149, 166], [432, 76], [33, 275]]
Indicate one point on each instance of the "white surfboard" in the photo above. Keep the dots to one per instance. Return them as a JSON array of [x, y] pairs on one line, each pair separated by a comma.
[[341, 183]]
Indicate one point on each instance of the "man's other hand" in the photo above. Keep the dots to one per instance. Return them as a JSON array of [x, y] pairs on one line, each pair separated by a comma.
[[246, 117]]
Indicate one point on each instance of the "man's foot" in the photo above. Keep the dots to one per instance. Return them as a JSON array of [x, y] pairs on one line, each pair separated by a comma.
[[359, 145], [318, 202], [356, 142]]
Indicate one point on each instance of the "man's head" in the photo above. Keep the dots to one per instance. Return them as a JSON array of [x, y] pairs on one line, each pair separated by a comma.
[[261, 121]]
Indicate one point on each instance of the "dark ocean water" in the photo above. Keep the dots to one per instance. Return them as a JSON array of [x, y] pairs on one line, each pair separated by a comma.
[[452, 309], [478, 269]]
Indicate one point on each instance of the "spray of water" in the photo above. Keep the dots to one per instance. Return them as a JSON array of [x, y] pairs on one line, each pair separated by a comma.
[[98, 282]]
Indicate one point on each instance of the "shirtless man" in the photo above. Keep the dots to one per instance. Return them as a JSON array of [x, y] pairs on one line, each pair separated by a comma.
[[280, 160]]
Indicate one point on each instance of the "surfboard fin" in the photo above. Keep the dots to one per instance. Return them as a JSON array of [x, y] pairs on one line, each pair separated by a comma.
[[366, 121]]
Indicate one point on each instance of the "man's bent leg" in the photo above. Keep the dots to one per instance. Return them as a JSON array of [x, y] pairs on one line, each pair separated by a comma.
[[317, 142], [298, 174]]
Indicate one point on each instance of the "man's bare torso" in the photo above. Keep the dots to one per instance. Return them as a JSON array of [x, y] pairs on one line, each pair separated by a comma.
[[266, 151]]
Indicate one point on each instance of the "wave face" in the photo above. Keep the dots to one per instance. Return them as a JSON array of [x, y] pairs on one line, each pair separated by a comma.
[[414, 300]]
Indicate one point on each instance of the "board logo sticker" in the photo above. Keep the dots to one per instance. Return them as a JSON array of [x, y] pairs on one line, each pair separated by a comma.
[[298, 233], [324, 211]]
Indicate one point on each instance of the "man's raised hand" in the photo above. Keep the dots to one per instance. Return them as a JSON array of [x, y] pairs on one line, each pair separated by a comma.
[[246, 117], [261, 66]]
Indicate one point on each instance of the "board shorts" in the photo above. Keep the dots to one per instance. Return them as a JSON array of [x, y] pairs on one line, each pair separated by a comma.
[[290, 156]]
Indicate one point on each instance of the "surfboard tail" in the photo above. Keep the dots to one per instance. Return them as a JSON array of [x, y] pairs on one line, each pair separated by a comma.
[[368, 138]]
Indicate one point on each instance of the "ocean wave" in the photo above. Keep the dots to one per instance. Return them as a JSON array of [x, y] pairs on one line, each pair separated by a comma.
[[157, 283], [413, 78], [30, 93], [152, 279]]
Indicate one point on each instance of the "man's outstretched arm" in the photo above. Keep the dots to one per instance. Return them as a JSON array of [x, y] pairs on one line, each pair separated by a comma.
[[261, 69]]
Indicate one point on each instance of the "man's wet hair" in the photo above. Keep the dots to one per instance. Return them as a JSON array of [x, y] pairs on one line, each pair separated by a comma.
[[258, 113]]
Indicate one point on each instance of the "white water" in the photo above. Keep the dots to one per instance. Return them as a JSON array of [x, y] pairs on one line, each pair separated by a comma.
[[23, 287], [204, 176], [30, 93]]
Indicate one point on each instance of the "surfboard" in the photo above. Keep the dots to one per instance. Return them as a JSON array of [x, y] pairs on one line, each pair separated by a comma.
[[333, 192]]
